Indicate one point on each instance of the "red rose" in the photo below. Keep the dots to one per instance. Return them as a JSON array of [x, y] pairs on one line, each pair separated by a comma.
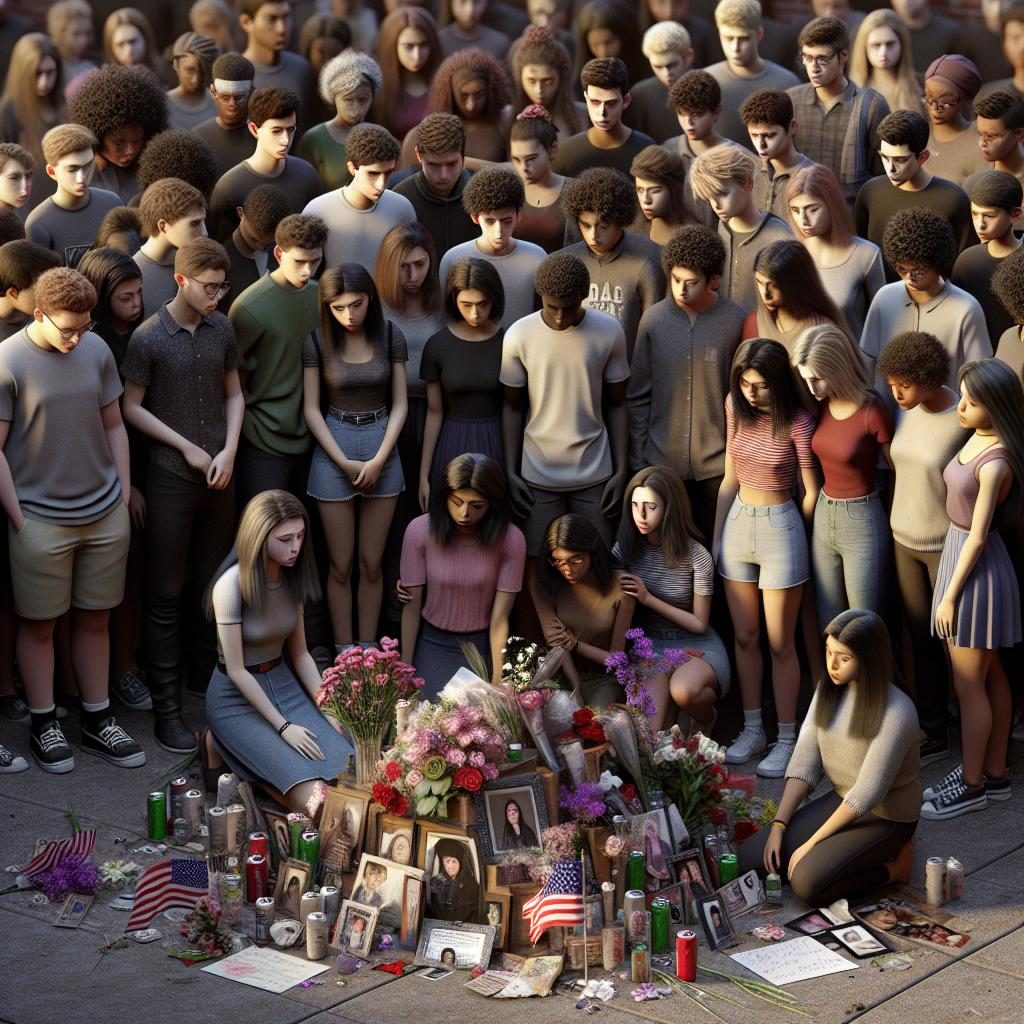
[[628, 792], [717, 816], [744, 829], [717, 771], [400, 806], [582, 717], [593, 732], [468, 778], [393, 770]]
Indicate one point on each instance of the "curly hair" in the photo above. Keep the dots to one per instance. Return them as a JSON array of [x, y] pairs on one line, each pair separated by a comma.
[[1008, 285], [168, 199], [493, 188], [115, 96], [915, 357], [300, 231], [441, 133], [694, 247], [540, 47], [605, 73], [342, 75], [178, 154], [767, 106], [265, 207], [233, 67], [22, 262], [920, 237], [64, 290], [905, 128], [466, 66], [604, 191], [371, 144], [1001, 106], [65, 139], [563, 276], [696, 92]]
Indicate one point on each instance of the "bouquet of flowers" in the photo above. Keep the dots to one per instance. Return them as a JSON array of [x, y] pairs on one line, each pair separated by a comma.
[[361, 688], [586, 727], [447, 749], [202, 928], [634, 667]]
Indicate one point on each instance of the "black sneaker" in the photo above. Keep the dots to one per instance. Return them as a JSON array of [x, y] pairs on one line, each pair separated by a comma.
[[934, 748], [106, 739], [10, 763], [953, 802], [131, 691], [14, 709], [171, 734], [51, 750], [998, 789]]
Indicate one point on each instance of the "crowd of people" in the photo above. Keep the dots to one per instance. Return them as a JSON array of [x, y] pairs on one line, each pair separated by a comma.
[[321, 319]]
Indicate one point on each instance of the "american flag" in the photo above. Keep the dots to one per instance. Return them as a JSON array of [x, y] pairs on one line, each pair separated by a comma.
[[560, 902], [80, 845], [171, 883]]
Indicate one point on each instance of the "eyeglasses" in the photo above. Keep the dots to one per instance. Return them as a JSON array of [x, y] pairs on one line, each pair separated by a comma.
[[757, 386], [576, 562], [912, 272], [816, 60], [992, 136], [71, 333], [939, 108], [213, 291]]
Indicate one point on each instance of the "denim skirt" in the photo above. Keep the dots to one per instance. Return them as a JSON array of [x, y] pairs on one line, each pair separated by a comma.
[[360, 442]]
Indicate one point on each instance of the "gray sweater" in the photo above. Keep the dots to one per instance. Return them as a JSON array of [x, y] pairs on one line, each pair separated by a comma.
[[879, 774], [679, 377]]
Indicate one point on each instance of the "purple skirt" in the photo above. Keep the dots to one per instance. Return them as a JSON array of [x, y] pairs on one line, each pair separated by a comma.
[[988, 612], [460, 436]]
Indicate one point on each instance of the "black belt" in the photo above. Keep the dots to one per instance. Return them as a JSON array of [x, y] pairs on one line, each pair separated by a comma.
[[359, 419], [263, 666]]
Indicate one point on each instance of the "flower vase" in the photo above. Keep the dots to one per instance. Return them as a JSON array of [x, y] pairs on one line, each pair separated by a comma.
[[368, 753]]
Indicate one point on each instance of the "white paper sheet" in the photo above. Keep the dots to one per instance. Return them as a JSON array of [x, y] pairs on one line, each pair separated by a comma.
[[796, 960], [266, 969]]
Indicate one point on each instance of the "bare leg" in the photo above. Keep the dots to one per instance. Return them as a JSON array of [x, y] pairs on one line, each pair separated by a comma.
[[997, 686], [745, 611], [90, 653], [339, 520], [374, 523], [781, 608], [694, 688], [970, 669], [658, 687], [35, 660]]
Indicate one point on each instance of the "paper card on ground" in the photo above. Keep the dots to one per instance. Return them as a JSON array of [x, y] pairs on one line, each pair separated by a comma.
[[796, 960], [266, 969]]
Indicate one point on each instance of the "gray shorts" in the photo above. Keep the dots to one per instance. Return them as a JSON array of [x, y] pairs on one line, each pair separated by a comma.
[[766, 545], [360, 442], [549, 505]]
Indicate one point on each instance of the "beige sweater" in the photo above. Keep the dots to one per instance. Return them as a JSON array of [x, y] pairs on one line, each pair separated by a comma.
[[878, 774]]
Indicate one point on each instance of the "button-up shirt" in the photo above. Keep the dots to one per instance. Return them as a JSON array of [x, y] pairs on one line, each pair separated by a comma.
[[183, 374], [741, 249], [770, 185]]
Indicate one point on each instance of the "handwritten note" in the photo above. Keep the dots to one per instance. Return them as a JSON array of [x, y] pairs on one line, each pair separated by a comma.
[[266, 969], [796, 960]]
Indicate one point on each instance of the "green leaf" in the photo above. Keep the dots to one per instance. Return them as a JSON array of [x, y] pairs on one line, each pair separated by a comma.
[[422, 789], [427, 806], [441, 786]]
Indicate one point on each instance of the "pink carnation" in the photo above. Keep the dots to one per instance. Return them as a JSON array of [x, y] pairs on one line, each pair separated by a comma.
[[414, 778], [489, 771], [477, 759]]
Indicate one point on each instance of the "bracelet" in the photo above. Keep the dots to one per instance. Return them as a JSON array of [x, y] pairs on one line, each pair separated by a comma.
[[280, 732], [779, 823]]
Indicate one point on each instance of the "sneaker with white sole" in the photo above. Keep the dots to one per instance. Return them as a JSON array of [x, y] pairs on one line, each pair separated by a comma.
[[774, 765], [951, 780], [51, 750], [10, 764], [996, 790], [108, 740], [749, 743], [953, 802], [131, 691]]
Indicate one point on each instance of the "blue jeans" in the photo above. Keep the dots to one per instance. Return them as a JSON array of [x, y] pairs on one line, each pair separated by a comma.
[[850, 554]]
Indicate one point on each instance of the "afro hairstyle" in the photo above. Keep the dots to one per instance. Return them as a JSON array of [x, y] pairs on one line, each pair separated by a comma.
[[768, 106], [915, 357], [604, 191], [493, 188], [371, 144], [116, 95], [178, 154], [694, 247], [441, 133], [920, 237], [562, 276], [1008, 285], [696, 92]]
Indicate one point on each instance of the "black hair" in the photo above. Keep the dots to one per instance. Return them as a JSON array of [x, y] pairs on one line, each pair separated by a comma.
[[771, 360]]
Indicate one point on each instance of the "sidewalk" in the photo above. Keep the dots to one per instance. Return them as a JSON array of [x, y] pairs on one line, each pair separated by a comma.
[[60, 975]]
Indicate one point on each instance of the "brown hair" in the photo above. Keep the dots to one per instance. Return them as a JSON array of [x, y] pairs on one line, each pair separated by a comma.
[[168, 199], [128, 16], [32, 113], [67, 138], [478, 275], [387, 100], [64, 290], [677, 526], [201, 254], [300, 231], [397, 244]]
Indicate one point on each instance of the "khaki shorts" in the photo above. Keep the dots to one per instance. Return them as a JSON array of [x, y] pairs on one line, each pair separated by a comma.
[[54, 567]]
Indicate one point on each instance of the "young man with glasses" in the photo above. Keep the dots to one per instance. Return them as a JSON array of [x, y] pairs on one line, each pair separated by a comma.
[[838, 120], [64, 486], [1000, 124], [227, 134], [906, 184], [67, 221], [182, 390]]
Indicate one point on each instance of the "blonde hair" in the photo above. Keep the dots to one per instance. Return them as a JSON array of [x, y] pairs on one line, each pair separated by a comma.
[[827, 350], [719, 167], [907, 94], [744, 14], [63, 15], [666, 37]]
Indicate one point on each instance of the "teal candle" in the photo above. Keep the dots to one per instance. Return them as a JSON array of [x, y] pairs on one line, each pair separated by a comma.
[[636, 871], [659, 925], [728, 868]]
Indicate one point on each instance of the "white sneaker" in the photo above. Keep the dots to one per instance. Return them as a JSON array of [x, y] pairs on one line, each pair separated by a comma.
[[749, 743], [774, 765]]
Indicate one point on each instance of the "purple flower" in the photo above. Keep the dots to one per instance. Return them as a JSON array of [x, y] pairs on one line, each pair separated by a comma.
[[477, 759], [455, 756], [584, 803]]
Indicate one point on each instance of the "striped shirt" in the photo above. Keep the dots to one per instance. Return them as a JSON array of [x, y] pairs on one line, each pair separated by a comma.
[[674, 584], [763, 460]]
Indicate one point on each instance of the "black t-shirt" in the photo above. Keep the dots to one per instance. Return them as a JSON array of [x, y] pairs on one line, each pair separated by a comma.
[[468, 373], [973, 272]]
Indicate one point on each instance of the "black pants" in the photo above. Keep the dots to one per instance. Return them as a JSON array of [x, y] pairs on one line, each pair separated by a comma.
[[188, 527], [850, 863]]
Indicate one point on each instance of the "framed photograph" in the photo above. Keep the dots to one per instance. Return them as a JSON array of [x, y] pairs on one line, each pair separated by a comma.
[[742, 894], [653, 830], [511, 815], [812, 923], [397, 839], [449, 854], [690, 868], [342, 827], [292, 882], [280, 838], [353, 931], [433, 973], [857, 941], [496, 910], [461, 946], [717, 924], [395, 891], [76, 906]]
